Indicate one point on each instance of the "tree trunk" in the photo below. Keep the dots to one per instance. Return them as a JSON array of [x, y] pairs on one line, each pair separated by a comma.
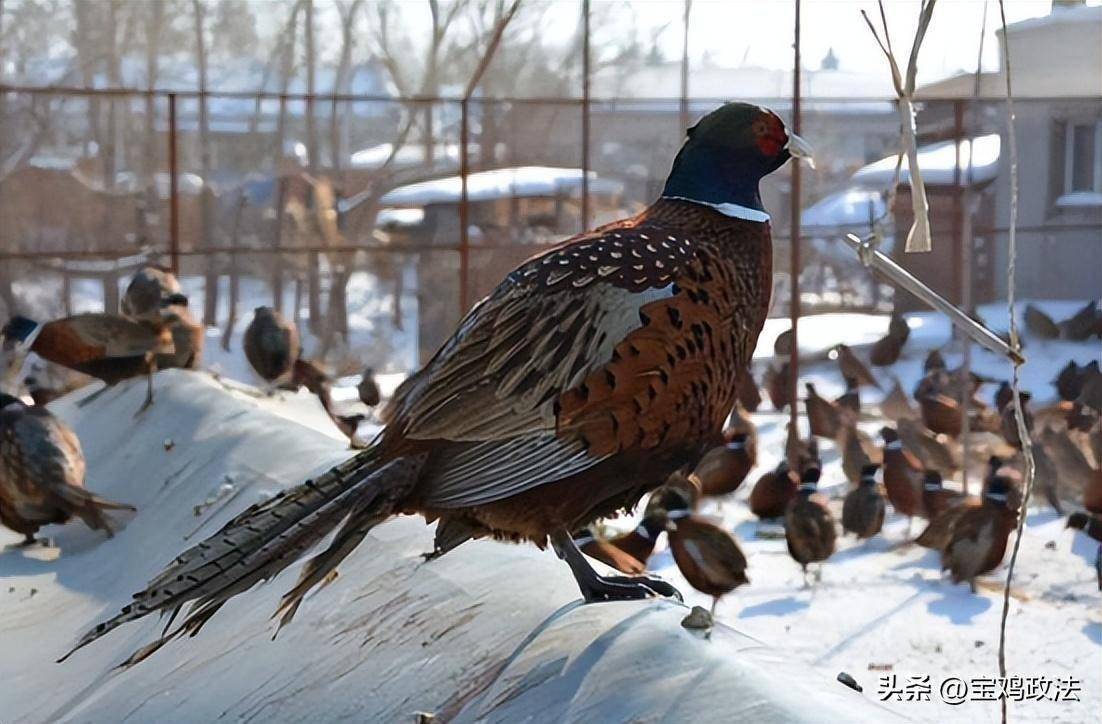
[[87, 62], [297, 314], [67, 293], [3, 96], [152, 49], [109, 149], [206, 220], [317, 325], [311, 79], [336, 146], [313, 293], [235, 281], [287, 67], [277, 258], [111, 292]]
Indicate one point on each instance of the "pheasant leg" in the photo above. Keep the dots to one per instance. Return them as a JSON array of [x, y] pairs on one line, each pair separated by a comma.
[[86, 400], [1098, 566], [150, 369], [595, 587]]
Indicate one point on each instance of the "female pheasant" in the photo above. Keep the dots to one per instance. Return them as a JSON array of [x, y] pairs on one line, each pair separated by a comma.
[[42, 473], [592, 372]]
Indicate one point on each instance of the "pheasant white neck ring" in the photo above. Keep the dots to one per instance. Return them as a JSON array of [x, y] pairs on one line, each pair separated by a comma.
[[727, 208]]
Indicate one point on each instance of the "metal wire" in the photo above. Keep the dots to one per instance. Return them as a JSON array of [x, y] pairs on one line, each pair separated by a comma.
[[1019, 415]]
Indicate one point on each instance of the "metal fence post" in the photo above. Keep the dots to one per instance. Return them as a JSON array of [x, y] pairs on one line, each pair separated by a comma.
[[173, 188], [464, 211], [794, 239], [585, 115]]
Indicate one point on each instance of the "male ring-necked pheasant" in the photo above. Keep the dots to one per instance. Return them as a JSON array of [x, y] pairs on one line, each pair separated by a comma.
[[589, 375]]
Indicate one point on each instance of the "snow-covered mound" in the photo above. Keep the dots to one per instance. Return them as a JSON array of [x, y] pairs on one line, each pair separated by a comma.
[[489, 632]]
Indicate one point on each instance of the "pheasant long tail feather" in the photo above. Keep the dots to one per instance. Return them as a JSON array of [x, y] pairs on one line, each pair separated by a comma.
[[263, 540], [376, 499], [89, 507]]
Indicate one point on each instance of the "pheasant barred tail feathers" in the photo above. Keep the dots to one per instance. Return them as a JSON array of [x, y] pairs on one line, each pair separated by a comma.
[[376, 499], [91, 508], [254, 546]]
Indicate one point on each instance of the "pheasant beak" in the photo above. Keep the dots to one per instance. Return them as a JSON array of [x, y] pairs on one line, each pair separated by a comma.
[[800, 149]]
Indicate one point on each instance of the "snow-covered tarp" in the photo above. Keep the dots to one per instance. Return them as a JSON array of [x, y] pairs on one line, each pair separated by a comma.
[[503, 183], [853, 207], [939, 162], [490, 632]]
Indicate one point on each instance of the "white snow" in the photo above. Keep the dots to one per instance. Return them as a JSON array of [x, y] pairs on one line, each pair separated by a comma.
[[188, 184], [852, 207], [521, 181], [1087, 199], [878, 606], [491, 632], [938, 162], [395, 218]]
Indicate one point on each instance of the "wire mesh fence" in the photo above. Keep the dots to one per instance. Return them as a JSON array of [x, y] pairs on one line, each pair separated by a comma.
[[346, 211]]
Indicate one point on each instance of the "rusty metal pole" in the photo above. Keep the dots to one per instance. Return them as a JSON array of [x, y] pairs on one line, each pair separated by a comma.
[[464, 161], [794, 238], [960, 206], [464, 212], [685, 70], [585, 115], [173, 189]]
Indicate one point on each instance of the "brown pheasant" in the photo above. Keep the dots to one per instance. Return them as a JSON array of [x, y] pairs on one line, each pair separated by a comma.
[[809, 525], [863, 508], [978, 541], [592, 372], [109, 347], [42, 473]]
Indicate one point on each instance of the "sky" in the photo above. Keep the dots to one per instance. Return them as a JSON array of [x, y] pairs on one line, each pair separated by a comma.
[[737, 32]]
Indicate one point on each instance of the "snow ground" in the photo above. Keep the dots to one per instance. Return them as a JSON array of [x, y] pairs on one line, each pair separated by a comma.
[[491, 632], [883, 608], [880, 608]]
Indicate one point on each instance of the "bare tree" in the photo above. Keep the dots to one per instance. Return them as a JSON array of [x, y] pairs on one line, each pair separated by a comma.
[[313, 261], [348, 14], [393, 52], [287, 69], [206, 195]]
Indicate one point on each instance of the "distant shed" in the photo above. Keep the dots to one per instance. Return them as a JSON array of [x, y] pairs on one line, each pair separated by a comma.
[[513, 214], [955, 174]]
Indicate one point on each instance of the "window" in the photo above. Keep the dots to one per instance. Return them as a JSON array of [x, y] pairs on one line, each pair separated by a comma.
[[1082, 165]]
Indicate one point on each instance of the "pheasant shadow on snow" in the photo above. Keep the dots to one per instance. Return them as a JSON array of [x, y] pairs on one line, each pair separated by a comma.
[[959, 605], [776, 607]]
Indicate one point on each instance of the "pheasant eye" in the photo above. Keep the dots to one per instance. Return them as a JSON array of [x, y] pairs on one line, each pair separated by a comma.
[[769, 135]]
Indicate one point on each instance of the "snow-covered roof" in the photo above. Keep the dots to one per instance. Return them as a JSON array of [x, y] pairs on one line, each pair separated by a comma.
[[410, 154], [850, 207], [501, 183], [187, 183], [1058, 16], [663, 81], [392, 218], [490, 632], [937, 162]]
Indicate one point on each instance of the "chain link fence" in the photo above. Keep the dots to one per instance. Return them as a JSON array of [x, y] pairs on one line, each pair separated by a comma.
[[346, 212]]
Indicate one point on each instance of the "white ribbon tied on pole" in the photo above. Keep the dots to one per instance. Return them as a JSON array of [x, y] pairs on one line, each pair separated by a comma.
[[918, 238]]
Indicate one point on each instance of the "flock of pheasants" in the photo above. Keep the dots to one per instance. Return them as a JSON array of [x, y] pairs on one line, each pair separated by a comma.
[[42, 468], [923, 447]]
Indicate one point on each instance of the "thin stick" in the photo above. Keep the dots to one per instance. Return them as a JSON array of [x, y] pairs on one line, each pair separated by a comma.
[[1019, 416], [878, 261], [918, 237], [966, 253]]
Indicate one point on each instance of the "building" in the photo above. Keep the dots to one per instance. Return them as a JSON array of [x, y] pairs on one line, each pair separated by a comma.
[[1056, 71]]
